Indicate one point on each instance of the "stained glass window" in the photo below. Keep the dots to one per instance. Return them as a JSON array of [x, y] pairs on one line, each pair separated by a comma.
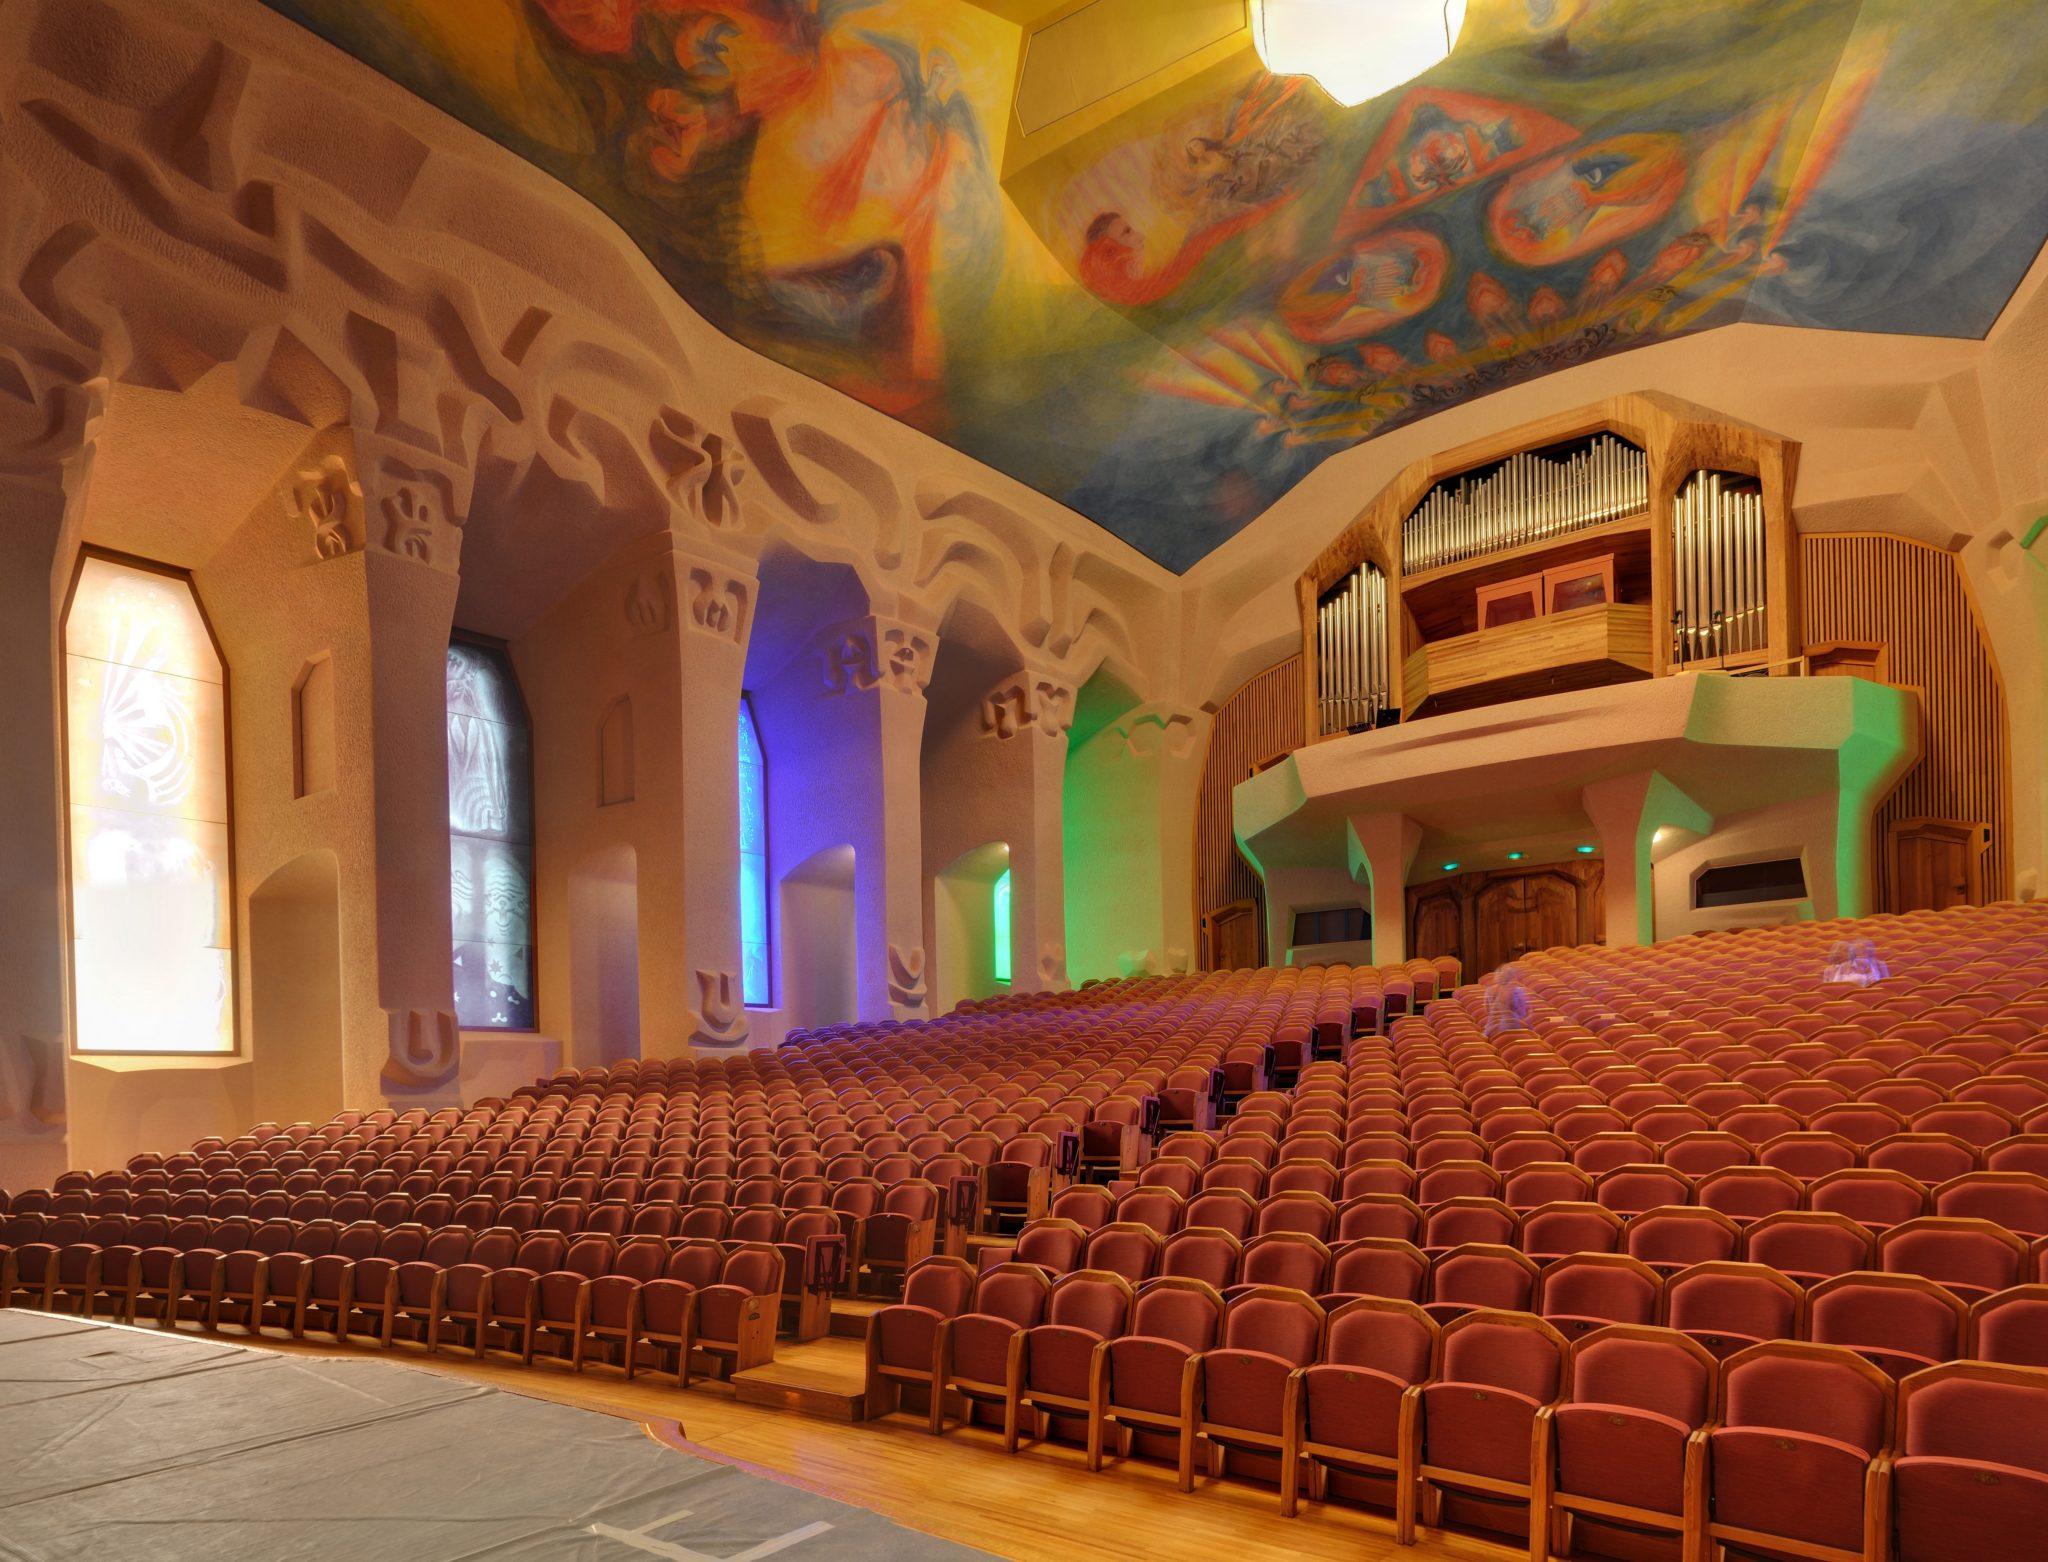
[[754, 983], [152, 892], [490, 828], [1002, 926]]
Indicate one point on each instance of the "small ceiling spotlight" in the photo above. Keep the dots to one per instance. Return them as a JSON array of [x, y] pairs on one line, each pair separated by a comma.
[[1355, 49]]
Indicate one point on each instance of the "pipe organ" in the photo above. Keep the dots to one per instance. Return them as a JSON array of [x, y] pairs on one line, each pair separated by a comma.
[[1354, 683], [1634, 538], [1719, 569], [1528, 498]]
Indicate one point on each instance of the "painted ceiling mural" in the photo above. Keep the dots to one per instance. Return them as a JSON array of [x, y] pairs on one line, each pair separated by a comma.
[[1170, 321]]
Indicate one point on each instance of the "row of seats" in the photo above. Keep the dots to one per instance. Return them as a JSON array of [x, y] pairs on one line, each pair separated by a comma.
[[1899, 1307], [1878, 1195], [536, 1295], [1969, 1252], [1780, 1446]]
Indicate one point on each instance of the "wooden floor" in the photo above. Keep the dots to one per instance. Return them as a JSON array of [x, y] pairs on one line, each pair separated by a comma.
[[1041, 1503]]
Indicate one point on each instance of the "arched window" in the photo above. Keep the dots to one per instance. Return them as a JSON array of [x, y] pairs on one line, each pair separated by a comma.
[[490, 828], [1001, 916], [755, 987], [146, 788]]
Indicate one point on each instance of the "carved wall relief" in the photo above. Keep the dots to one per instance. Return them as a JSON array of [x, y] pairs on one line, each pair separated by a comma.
[[703, 470], [426, 1049], [907, 987], [876, 652], [1052, 965], [1028, 702], [31, 1087], [720, 602], [721, 1015], [650, 602], [328, 499]]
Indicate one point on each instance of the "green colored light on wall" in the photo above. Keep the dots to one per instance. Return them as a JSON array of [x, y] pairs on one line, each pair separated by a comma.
[[1001, 910], [1450, 867], [1516, 856], [1584, 851]]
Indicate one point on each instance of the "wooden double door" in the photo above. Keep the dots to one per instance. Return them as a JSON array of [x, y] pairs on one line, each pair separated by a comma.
[[1488, 919]]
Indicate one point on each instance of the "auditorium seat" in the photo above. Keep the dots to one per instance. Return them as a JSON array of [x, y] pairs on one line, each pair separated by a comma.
[[1052, 1365], [1246, 1396], [1496, 1372], [1971, 1478], [1972, 1258], [1588, 1291], [973, 1347], [1900, 1323], [1627, 1443], [1800, 1461], [1361, 1399], [903, 1337], [1810, 1246]]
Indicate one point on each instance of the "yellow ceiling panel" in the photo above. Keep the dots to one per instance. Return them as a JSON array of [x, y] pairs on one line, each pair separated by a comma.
[[1087, 55]]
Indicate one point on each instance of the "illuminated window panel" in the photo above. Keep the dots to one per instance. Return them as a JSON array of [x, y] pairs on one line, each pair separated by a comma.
[[490, 829], [754, 980], [152, 889], [1001, 912]]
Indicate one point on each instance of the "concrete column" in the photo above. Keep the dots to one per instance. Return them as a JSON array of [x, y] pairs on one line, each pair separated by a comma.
[[715, 599], [1025, 720], [1383, 847], [1626, 813], [34, 1145]]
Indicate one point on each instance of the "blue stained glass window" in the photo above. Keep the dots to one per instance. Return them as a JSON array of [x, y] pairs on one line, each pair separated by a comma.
[[754, 984], [1002, 922], [490, 830]]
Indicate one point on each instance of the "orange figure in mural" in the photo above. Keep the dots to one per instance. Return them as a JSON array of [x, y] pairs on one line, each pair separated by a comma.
[[1113, 261]]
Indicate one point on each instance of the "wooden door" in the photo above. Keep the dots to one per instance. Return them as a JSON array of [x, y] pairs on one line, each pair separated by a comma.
[[1230, 936], [1436, 924], [1516, 913], [1551, 918], [1933, 864]]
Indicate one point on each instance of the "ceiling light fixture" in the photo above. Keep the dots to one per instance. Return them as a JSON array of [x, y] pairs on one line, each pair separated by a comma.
[[1355, 49]]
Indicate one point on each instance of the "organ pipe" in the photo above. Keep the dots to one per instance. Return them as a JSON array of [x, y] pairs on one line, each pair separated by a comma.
[[1353, 672], [1719, 570], [1527, 498]]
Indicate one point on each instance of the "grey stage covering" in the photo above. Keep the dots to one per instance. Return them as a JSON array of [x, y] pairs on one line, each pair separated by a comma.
[[127, 1443]]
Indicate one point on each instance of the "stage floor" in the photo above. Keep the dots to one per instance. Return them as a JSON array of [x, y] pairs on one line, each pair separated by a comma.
[[123, 1443]]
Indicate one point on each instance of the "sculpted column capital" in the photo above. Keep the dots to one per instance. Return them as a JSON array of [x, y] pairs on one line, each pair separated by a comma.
[[875, 651], [355, 493], [1027, 702]]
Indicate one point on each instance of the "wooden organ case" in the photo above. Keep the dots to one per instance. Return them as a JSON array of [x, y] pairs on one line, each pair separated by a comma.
[[1633, 538]]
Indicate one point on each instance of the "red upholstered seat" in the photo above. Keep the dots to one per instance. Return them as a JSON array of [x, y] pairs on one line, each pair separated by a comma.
[[1622, 1442], [1496, 1372], [1971, 1479], [1797, 1456], [973, 1348], [1361, 1401], [1053, 1365], [1247, 1389], [1589, 1291]]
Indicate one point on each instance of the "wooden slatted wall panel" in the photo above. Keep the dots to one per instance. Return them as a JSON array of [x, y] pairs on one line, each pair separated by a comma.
[[1866, 586], [1261, 719]]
